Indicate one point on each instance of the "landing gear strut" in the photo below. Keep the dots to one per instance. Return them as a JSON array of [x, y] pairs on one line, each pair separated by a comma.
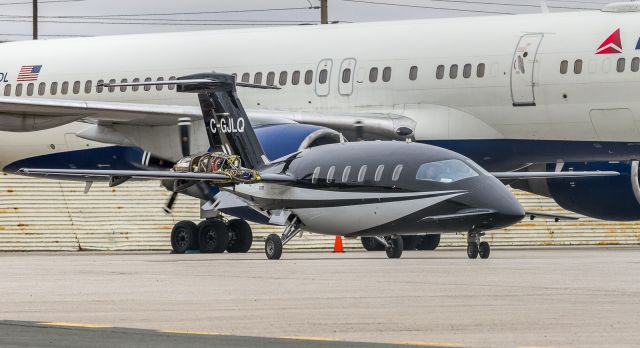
[[274, 243], [393, 245], [475, 247]]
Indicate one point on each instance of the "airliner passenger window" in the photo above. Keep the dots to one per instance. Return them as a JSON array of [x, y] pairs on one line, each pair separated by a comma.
[[7, 90], [65, 88], [314, 177], [378, 175], [135, 88], [620, 65], [466, 71], [396, 172], [440, 72], [146, 88], [76, 87], [453, 71], [564, 66], [159, 87], [99, 86], [386, 74], [18, 90], [54, 88], [480, 70], [362, 173], [123, 88], [42, 88], [112, 88], [295, 78], [30, 89], [87, 86], [373, 75], [577, 67], [171, 87], [246, 77], [635, 64], [413, 73], [446, 171], [283, 78], [345, 173], [323, 76], [257, 78], [308, 77], [346, 75], [330, 174], [271, 77]]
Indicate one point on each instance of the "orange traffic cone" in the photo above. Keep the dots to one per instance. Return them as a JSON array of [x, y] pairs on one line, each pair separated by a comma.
[[337, 246]]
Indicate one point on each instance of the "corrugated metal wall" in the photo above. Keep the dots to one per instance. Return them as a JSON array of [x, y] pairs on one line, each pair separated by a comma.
[[40, 214]]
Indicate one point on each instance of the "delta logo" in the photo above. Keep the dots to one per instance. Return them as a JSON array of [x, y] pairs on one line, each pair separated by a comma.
[[611, 45]]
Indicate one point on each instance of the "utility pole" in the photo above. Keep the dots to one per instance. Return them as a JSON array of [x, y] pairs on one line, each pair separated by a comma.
[[35, 19], [324, 12]]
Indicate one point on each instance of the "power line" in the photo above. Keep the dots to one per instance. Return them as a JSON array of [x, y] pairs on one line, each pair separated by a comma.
[[428, 7], [201, 12], [238, 23], [42, 2], [512, 5]]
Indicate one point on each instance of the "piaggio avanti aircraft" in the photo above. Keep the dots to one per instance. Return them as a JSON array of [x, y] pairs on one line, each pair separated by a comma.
[[379, 189]]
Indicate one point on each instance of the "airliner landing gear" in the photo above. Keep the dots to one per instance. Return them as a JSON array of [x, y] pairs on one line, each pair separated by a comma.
[[213, 236], [240, 236], [182, 236], [393, 246], [475, 247], [429, 242], [274, 243]]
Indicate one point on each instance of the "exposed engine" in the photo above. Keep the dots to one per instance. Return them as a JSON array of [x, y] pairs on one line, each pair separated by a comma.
[[607, 198]]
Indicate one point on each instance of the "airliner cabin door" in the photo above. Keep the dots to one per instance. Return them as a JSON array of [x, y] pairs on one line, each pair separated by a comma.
[[347, 72], [523, 68], [323, 77]]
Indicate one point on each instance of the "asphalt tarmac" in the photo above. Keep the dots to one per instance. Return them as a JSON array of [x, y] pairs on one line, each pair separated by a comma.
[[544, 297]]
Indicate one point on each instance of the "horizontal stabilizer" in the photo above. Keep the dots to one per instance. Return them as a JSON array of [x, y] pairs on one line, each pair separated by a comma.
[[552, 175]]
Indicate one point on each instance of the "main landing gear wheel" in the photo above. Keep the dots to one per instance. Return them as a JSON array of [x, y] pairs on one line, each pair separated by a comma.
[[394, 248], [484, 250], [371, 244], [273, 247], [240, 236], [472, 250], [182, 236], [411, 242], [429, 242], [213, 236]]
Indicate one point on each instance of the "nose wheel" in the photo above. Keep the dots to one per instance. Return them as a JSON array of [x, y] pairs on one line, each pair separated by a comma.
[[475, 247]]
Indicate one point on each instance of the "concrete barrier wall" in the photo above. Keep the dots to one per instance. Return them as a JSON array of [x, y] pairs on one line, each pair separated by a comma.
[[49, 215]]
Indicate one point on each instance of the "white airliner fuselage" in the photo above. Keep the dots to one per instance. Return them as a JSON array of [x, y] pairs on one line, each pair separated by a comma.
[[510, 78]]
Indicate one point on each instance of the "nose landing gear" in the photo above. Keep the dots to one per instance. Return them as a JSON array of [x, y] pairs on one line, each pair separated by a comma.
[[475, 247], [274, 243]]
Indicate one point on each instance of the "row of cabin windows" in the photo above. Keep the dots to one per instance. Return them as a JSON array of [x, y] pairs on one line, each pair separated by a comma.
[[467, 71], [620, 65], [362, 172], [77, 86]]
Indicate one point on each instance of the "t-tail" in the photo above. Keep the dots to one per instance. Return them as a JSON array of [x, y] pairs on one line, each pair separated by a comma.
[[228, 127]]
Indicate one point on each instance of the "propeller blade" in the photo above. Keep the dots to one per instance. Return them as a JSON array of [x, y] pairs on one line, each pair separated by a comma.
[[168, 208]]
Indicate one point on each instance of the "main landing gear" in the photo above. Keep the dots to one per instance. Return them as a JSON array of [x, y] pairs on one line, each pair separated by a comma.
[[475, 247], [212, 236], [274, 243]]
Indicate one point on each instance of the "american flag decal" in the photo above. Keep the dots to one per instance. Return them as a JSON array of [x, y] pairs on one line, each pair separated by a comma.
[[29, 73]]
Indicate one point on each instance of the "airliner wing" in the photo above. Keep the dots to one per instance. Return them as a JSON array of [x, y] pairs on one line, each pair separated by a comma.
[[551, 175]]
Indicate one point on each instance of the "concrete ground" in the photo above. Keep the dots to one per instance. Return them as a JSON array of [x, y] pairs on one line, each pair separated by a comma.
[[544, 297]]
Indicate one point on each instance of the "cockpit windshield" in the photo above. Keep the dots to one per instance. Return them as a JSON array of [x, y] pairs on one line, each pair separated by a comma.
[[446, 171]]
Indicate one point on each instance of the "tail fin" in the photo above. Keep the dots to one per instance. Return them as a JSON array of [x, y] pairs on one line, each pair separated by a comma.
[[226, 122]]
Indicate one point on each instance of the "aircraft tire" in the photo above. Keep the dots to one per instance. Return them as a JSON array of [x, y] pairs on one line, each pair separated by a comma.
[[273, 247], [371, 244], [472, 250], [241, 236], [429, 242], [182, 236], [411, 242], [213, 236], [484, 250], [394, 251]]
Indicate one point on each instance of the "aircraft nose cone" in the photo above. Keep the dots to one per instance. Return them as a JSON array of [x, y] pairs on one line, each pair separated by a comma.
[[510, 214]]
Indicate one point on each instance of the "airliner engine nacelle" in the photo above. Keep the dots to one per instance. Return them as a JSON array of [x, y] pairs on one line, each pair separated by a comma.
[[607, 198]]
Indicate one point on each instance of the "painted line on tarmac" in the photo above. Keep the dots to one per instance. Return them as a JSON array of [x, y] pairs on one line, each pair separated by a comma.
[[87, 326], [187, 332], [303, 338], [432, 344]]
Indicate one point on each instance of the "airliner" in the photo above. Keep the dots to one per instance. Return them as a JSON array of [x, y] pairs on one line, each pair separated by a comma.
[[542, 92]]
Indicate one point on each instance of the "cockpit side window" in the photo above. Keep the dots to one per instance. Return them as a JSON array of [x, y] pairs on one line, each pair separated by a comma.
[[446, 171]]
